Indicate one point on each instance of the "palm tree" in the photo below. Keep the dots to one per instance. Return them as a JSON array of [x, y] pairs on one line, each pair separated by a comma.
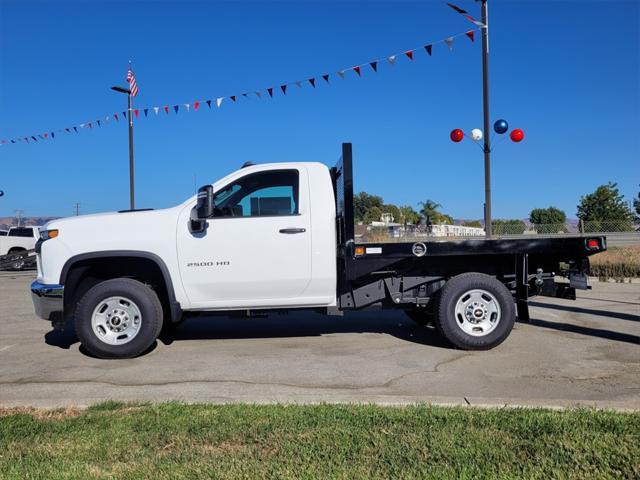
[[430, 209]]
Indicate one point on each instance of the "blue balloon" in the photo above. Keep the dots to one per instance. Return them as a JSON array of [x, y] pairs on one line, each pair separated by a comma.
[[501, 126]]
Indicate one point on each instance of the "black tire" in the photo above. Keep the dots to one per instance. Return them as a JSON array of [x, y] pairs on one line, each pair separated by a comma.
[[19, 263], [146, 301], [450, 326]]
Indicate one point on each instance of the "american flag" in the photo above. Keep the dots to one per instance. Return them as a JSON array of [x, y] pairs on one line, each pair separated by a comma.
[[132, 83]]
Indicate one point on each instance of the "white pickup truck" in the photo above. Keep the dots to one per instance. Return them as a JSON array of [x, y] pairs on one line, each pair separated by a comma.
[[281, 236], [19, 240]]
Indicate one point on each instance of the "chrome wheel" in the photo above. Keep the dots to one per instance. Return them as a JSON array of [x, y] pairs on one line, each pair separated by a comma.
[[116, 320], [477, 312]]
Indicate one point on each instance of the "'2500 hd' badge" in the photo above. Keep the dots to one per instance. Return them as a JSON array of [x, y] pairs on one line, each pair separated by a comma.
[[221, 263]]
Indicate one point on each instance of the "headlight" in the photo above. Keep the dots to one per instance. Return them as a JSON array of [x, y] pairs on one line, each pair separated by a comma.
[[47, 234]]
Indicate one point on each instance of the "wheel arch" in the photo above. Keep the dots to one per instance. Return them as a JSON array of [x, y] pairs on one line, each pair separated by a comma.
[[93, 267]]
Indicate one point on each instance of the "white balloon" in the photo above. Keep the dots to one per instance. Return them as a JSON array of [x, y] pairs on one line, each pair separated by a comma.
[[476, 134]]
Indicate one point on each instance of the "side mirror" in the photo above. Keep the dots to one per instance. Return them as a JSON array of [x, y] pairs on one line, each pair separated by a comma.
[[204, 207]]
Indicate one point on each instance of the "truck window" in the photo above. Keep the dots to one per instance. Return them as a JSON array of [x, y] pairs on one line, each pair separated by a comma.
[[21, 232], [263, 194]]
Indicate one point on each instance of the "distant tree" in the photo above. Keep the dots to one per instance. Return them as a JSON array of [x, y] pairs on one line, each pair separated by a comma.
[[372, 215], [446, 219], [548, 220], [394, 211], [363, 202], [409, 215], [605, 210], [636, 205], [472, 223], [508, 227], [430, 210]]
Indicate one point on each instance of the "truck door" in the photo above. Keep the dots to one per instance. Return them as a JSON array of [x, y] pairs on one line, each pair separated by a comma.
[[256, 250]]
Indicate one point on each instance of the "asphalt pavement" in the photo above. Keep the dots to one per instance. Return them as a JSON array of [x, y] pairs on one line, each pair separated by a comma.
[[584, 352]]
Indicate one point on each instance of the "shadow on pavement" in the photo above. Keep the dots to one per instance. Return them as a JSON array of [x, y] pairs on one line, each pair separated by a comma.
[[302, 325], [588, 311], [589, 331], [62, 338], [278, 326]]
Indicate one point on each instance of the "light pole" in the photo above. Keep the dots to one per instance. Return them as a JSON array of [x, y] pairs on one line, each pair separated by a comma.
[[485, 104], [129, 114]]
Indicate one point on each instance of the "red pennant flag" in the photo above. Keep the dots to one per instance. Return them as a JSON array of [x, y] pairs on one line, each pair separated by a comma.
[[89, 124], [284, 89], [374, 65], [233, 98], [136, 112], [357, 70], [196, 105], [46, 135], [166, 109], [470, 34], [270, 90], [115, 115], [409, 53], [326, 77], [312, 81]]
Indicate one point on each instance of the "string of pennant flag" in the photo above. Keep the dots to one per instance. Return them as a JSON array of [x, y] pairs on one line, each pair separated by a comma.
[[270, 92]]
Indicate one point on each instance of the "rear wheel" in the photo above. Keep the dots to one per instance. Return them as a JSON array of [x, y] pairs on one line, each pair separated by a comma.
[[118, 318], [475, 312]]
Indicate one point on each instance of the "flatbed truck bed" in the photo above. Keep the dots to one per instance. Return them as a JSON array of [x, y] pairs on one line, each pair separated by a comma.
[[410, 275]]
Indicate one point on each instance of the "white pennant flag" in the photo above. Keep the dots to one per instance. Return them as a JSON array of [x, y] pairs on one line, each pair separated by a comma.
[[219, 101], [156, 109], [187, 105], [392, 59], [449, 42], [258, 94], [82, 125], [341, 74], [299, 84], [106, 119]]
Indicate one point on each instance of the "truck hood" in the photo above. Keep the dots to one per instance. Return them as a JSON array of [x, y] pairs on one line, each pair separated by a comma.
[[128, 230]]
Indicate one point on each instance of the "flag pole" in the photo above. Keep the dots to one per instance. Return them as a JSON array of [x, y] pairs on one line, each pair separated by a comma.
[[485, 102], [130, 112]]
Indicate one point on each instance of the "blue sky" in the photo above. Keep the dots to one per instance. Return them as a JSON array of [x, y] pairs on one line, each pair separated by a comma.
[[566, 72]]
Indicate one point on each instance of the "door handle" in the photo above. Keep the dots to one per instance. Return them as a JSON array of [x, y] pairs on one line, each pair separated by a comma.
[[292, 230]]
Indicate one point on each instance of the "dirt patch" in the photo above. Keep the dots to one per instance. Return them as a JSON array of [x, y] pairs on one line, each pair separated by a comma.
[[43, 413]]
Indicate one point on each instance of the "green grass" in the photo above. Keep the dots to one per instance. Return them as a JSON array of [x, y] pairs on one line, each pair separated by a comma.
[[171, 440]]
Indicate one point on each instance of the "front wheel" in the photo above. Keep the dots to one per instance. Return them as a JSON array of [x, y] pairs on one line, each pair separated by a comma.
[[19, 262], [475, 312], [118, 318]]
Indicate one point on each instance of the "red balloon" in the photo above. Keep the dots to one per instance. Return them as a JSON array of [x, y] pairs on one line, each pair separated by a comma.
[[517, 135], [456, 135]]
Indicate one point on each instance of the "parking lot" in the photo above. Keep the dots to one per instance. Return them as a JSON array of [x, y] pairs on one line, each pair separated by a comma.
[[585, 352]]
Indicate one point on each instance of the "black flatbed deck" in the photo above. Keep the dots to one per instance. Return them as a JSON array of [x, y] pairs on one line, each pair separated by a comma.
[[517, 262]]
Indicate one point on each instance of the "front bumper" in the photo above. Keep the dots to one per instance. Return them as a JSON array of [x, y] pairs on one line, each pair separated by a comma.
[[47, 299]]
